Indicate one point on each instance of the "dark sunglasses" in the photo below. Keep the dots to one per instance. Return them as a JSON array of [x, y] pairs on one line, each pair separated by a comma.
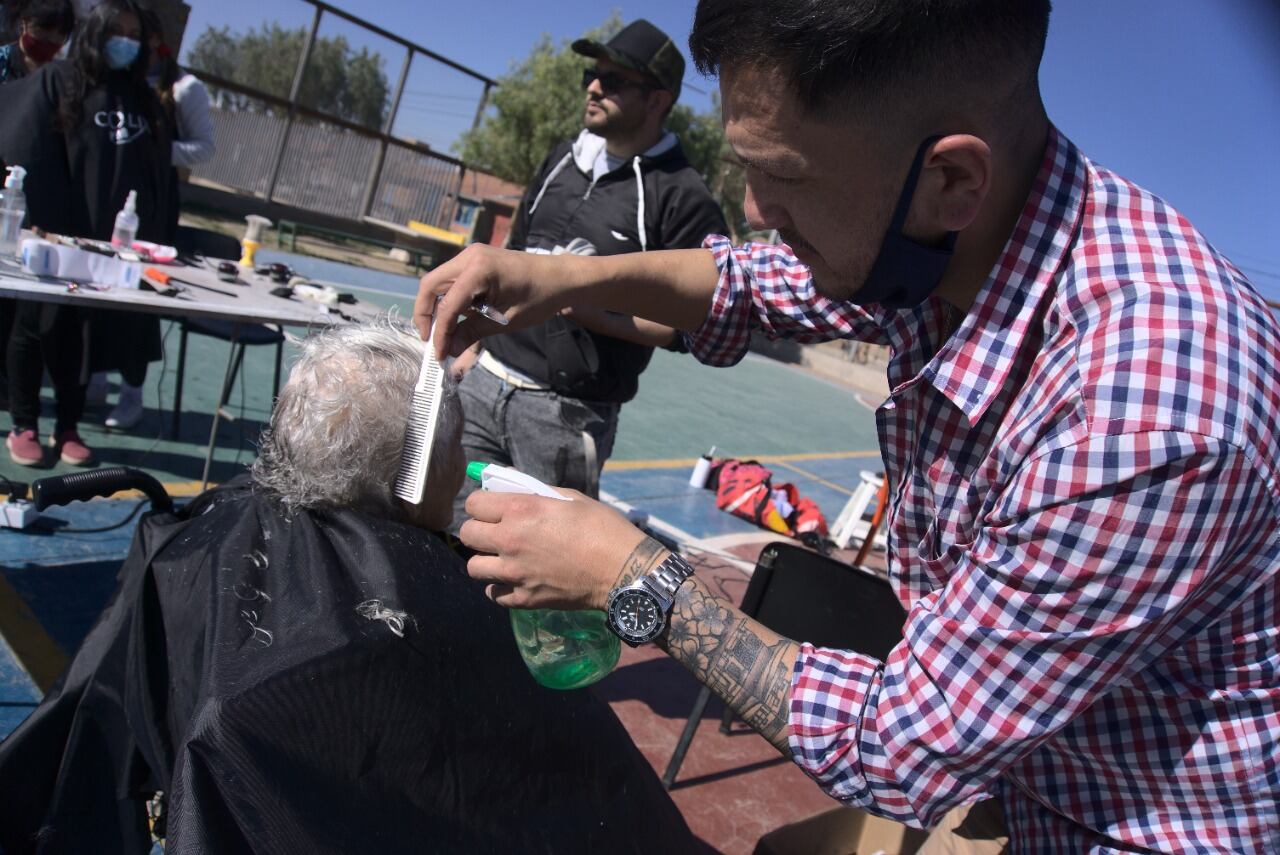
[[612, 81]]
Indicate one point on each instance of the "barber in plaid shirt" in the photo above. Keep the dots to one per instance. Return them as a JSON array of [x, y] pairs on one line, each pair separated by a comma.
[[1081, 439]]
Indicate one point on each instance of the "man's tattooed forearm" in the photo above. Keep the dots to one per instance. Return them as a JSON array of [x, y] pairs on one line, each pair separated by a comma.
[[744, 663], [647, 555], [748, 666], [751, 675], [698, 623]]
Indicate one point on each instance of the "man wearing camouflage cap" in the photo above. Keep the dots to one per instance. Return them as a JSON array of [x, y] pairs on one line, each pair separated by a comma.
[[546, 399]]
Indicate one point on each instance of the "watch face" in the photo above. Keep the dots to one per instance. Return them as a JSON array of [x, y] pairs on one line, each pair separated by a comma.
[[635, 615]]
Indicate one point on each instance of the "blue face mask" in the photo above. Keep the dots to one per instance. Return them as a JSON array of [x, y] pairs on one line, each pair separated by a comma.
[[121, 52], [906, 272]]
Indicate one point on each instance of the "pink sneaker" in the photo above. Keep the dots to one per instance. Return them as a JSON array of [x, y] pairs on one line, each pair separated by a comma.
[[24, 448], [68, 446]]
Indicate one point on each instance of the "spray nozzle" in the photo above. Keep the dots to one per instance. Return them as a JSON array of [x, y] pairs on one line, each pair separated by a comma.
[[255, 224], [16, 176], [131, 202]]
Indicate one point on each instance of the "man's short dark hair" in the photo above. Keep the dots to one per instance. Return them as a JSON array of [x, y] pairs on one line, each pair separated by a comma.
[[830, 48], [58, 16]]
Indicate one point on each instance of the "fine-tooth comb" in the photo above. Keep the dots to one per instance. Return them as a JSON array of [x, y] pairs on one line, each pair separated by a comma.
[[420, 432]]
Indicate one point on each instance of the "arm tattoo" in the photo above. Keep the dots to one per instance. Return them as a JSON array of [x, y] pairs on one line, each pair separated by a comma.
[[647, 555], [744, 663]]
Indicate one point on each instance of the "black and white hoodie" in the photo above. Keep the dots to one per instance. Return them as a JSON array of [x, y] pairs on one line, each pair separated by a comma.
[[584, 200]]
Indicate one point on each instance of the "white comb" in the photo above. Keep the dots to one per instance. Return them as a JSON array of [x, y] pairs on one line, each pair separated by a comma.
[[420, 432]]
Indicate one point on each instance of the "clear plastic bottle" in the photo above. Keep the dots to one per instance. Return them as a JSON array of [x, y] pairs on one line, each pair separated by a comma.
[[13, 210], [562, 650], [126, 229], [565, 650]]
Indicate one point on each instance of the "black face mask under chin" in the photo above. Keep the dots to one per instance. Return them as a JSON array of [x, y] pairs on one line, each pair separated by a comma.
[[906, 272]]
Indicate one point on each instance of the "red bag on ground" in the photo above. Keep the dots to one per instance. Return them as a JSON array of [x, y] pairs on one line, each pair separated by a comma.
[[808, 518], [745, 489]]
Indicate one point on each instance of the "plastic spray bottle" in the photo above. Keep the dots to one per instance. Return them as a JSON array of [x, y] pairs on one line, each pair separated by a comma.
[[126, 229], [252, 240], [13, 210], [562, 650]]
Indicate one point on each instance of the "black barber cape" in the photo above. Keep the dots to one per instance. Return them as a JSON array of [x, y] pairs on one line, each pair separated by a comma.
[[248, 667]]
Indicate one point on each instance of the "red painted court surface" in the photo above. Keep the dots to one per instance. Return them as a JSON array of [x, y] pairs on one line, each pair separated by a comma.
[[732, 788]]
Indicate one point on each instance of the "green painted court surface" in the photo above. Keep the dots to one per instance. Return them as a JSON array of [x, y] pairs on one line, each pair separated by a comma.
[[54, 581], [759, 407]]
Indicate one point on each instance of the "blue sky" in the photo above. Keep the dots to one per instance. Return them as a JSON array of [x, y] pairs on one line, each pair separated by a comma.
[[1181, 96]]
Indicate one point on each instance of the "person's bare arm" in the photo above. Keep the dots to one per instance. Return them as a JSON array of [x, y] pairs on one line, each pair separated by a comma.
[[463, 362], [625, 327], [747, 665], [672, 287]]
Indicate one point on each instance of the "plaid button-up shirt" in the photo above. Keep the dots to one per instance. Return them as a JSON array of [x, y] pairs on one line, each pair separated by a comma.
[[1084, 528]]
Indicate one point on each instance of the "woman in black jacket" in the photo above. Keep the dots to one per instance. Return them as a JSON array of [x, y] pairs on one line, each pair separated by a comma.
[[42, 28], [88, 131]]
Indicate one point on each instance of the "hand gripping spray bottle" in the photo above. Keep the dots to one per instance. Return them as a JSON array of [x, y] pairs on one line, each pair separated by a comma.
[[563, 650], [13, 209]]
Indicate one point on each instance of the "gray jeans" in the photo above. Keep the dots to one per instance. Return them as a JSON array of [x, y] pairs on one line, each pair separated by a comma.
[[560, 441]]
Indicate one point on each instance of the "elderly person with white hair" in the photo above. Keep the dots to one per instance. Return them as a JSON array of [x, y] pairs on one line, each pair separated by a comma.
[[293, 664], [338, 428]]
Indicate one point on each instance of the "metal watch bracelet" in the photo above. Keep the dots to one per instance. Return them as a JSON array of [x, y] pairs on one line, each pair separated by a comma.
[[670, 574]]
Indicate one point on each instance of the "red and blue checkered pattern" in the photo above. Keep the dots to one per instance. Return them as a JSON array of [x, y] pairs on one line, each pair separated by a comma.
[[1084, 527]]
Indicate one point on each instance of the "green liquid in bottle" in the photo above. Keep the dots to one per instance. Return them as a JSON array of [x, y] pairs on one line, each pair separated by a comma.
[[565, 650]]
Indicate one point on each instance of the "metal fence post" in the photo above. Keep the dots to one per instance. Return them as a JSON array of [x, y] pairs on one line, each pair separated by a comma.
[[375, 173], [449, 213], [293, 104], [484, 102]]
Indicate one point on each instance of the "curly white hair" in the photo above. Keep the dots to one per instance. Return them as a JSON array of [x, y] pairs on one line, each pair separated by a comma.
[[338, 427]]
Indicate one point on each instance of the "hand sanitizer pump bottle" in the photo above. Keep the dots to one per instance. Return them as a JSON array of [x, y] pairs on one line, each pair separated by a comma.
[[13, 210]]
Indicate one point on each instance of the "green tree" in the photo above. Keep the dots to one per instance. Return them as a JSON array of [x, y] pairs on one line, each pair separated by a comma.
[[702, 135], [340, 81], [539, 103], [536, 105]]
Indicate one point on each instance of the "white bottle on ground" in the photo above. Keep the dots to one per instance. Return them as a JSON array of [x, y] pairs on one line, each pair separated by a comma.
[[126, 229]]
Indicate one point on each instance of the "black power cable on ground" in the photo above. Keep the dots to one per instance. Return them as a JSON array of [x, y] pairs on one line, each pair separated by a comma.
[[15, 489], [128, 518]]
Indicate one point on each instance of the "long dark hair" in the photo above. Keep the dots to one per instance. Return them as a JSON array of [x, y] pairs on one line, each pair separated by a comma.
[[166, 65], [89, 62]]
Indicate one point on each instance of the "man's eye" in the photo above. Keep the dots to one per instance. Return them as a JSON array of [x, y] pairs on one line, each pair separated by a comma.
[[774, 179]]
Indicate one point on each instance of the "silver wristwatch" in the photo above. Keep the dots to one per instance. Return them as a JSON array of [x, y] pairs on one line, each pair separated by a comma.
[[638, 612]]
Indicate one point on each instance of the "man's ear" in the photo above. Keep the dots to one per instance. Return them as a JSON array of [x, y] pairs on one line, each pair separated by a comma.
[[661, 100], [955, 179]]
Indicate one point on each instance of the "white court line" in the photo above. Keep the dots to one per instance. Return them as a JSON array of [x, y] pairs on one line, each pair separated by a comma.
[[678, 534]]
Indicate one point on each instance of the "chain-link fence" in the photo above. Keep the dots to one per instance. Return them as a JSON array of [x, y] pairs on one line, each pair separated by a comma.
[[293, 148]]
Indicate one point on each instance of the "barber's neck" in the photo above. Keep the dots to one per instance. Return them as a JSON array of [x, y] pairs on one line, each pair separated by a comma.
[[627, 147], [979, 246]]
